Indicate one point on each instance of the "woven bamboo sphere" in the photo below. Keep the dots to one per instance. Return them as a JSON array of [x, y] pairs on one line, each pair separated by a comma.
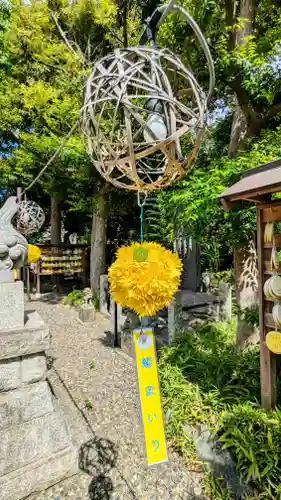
[[140, 135], [30, 217]]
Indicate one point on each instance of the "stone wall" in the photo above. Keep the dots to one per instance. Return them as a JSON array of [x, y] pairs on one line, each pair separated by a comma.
[[36, 449]]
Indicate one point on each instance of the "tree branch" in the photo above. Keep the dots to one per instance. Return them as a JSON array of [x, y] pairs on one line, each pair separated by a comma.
[[274, 110], [230, 18], [77, 53], [243, 100], [49, 127], [125, 23]]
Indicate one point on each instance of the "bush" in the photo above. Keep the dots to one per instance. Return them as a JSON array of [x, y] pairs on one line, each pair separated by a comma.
[[223, 277], [74, 298], [206, 379], [250, 315], [253, 436], [209, 358]]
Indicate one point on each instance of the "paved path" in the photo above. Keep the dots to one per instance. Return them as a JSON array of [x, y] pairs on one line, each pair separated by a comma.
[[95, 372]]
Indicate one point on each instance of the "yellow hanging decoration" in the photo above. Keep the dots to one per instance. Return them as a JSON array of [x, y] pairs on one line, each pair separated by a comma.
[[144, 277], [33, 253]]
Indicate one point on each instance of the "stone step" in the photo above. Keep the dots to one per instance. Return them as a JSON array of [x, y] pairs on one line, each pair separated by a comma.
[[39, 475], [34, 337], [26, 443], [17, 371], [25, 404]]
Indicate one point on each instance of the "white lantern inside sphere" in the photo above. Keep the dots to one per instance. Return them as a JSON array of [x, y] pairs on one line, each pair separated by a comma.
[[30, 217], [157, 124], [140, 135]]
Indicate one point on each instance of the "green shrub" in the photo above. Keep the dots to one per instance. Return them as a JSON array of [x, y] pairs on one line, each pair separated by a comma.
[[222, 277], [206, 379], [209, 358], [251, 315], [96, 302], [253, 436], [74, 298]]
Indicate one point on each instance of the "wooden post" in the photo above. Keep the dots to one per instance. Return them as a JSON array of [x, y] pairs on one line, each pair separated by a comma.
[[267, 359], [19, 197], [19, 191], [28, 282], [38, 288]]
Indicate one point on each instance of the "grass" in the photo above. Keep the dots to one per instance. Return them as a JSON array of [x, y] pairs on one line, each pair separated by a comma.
[[92, 364], [89, 404], [205, 379]]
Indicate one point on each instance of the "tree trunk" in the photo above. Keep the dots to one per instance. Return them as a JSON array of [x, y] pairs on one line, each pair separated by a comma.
[[98, 240], [240, 123], [247, 13], [246, 287], [55, 219], [55, 233], [239, 130], [245, 259]]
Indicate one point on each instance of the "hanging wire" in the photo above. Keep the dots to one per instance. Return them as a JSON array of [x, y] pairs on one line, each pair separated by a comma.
[[67, 137], [141, 204], [162, 13], [141, 224]]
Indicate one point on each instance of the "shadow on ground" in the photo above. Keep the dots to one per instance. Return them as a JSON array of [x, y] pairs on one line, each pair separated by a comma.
[[109, 339], [50, 298], [97, 457]]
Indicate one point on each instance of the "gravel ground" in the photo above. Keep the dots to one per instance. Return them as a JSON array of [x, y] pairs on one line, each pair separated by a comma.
[[95, 372]]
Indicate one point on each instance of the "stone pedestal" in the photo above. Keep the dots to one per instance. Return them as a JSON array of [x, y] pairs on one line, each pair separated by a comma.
[[86, 314], [11, 306], [36, 449]]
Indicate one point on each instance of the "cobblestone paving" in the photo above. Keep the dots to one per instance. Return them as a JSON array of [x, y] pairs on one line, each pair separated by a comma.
[[97, 375]]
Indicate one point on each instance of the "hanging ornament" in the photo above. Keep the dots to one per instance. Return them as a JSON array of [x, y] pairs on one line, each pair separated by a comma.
[[144, 277], [268, 232], [272, 288], [273, 342], [33, 254], [30, 217], [139, 133]]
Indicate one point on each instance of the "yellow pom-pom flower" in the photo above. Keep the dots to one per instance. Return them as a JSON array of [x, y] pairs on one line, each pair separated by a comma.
[[144, 277], [33, 253]]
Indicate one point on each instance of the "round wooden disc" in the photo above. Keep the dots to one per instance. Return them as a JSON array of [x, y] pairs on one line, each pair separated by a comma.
[[276, 314], [265, 288], [276, 286], [273, 342]]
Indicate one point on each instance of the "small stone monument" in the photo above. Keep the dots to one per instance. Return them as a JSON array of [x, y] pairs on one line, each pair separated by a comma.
[[87, 310], [36, 450]]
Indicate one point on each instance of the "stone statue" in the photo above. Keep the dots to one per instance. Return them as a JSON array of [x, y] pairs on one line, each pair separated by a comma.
[[206, 282], [87, 297], [13, 246]]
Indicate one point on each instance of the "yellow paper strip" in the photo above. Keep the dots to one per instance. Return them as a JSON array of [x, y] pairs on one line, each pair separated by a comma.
[[152, 415]]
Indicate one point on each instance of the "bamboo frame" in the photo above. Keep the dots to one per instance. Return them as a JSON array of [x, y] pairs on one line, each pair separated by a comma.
[[30, 217], [116, 114]]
